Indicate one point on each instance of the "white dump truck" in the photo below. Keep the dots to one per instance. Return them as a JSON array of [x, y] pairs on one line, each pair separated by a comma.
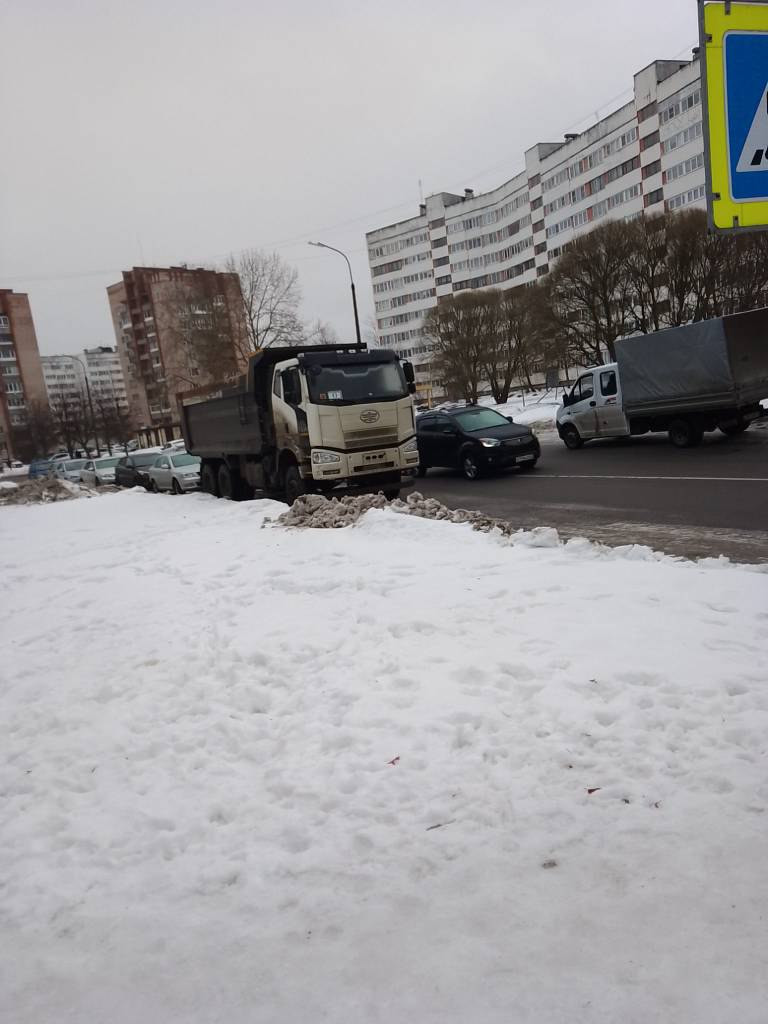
[[327, 419]]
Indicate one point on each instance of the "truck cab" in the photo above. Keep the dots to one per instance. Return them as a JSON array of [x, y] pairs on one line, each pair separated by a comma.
[[593, 407]]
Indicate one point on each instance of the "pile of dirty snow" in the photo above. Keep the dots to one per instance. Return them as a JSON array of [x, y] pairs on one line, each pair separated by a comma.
[[40, 491], [407, 771], [315, 511]]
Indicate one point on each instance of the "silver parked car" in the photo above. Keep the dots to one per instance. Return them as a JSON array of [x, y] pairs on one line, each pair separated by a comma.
[[176, 472], [99, 471], [68, 469]]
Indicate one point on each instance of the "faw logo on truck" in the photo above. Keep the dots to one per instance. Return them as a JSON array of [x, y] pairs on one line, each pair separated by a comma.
[[369, 416]]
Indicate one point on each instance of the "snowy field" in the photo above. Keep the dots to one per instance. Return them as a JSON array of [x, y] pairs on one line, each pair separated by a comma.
[[397, 772], [538, 411]]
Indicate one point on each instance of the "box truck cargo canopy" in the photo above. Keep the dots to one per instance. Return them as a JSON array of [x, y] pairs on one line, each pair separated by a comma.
[[712, 363]]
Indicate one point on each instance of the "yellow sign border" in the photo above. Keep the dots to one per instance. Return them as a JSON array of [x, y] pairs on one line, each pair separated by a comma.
[[726, 214]]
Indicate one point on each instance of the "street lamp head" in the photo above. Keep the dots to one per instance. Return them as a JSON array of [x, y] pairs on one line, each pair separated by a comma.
[[321, 245]]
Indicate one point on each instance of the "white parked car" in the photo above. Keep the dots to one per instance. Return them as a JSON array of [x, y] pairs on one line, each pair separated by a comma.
[[175, 471], [68, 469], [99, 471], [178, 445]]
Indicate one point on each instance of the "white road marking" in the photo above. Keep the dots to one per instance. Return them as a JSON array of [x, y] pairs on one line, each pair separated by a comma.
[[614, 476]]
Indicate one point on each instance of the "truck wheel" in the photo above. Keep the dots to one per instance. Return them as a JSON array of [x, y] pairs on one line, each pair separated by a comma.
[[208, 479], [685, 433], [226, 482], [293, 485], [571, 437], [734, 429]]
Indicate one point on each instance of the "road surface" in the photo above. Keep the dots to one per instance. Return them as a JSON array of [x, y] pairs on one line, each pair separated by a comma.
[[696, 502]]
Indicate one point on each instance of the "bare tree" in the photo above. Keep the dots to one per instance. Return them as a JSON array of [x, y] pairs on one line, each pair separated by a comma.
[[591, 291], [515, 336], [271, 298], [40, 432], [115, 424], [458, 325], [73, 422], [320, 333]]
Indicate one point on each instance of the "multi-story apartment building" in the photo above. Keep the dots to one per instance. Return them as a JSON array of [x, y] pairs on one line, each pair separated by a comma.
[[646, 156], [21, 376], [66, 375], [106, 377], [177, 328], [64, 380]]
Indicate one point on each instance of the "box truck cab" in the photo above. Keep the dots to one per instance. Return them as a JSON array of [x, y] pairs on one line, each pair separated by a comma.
[[593, 407]]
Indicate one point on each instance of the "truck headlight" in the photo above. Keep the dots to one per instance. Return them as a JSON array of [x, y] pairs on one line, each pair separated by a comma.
[[489, 442], [411, 446], [321, 458]]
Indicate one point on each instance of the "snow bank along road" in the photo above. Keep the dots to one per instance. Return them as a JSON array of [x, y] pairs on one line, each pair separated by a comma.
[[703, 501], [401, 771]]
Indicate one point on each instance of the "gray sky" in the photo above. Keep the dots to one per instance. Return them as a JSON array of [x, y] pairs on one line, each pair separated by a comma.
[[167, 131]]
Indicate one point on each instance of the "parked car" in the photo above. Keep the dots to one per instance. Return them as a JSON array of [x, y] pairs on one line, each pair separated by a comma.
[[178, 445], [474, 439], [39, 467], [99, 471], [176, 472], [68, 469], [132, 470]]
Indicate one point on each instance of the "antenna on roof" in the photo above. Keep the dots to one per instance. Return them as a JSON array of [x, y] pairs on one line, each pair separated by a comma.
[[421, 194]]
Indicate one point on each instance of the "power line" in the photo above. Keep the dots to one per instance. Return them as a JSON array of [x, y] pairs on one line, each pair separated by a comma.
[[298, 239]]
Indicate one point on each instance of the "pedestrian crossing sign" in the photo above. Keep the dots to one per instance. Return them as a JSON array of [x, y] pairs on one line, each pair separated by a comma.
[[734, 68]]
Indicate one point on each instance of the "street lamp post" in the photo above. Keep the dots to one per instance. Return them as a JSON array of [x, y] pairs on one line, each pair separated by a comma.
[[90, 402], [322, 245]]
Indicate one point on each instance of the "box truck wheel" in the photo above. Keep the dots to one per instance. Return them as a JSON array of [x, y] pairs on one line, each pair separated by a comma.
[[732, 429], [685, 433], [294, 485], [226, 482], [571, 437], [208, 479]]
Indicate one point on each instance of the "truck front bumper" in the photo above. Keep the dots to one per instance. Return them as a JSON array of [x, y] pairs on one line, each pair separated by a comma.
[[360, 471]]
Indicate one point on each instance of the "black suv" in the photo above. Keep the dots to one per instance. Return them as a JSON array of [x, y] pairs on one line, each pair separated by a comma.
[[474, 439]]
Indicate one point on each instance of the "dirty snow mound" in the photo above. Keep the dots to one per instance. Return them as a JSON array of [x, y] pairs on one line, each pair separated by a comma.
[[41, 491], [318, 512]]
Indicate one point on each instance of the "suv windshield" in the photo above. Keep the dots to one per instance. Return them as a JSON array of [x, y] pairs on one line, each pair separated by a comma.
[[480, 419], [347, 383]]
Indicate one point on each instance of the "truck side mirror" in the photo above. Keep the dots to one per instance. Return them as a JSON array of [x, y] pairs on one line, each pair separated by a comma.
[[410, 376]]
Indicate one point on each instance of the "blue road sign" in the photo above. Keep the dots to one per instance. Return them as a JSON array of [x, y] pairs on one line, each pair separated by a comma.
[[746, 109]]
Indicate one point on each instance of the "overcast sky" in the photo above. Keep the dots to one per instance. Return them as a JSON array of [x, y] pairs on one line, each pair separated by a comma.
[[167, 131]]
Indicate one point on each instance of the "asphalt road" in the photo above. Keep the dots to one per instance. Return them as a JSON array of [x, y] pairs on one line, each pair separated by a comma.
[[696, 502]]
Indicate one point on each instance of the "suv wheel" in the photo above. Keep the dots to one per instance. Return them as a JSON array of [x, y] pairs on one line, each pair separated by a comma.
[[469, 465]]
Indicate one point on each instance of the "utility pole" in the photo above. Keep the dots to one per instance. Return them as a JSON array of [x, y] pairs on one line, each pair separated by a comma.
[[322, 245]]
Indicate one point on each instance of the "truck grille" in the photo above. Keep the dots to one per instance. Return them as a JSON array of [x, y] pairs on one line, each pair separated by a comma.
[[374, 438]]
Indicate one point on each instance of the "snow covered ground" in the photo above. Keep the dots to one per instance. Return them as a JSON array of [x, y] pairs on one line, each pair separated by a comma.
[[397, 772], [536, 411]]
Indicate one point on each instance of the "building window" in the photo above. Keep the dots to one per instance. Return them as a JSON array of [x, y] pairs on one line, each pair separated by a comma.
[[532, 182], [653, 197], [441, 262], [438, 243], [538, 226], [437, 223], [443, 280], [649, 140], [645, 112], [541, 247], [536, 203], [651, 169]]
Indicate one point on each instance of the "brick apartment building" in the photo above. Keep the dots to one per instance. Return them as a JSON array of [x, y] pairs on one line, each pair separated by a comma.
[[177, 328], [21, 375]]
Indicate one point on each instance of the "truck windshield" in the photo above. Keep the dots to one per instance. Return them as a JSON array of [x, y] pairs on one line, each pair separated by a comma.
[[351, 383]]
